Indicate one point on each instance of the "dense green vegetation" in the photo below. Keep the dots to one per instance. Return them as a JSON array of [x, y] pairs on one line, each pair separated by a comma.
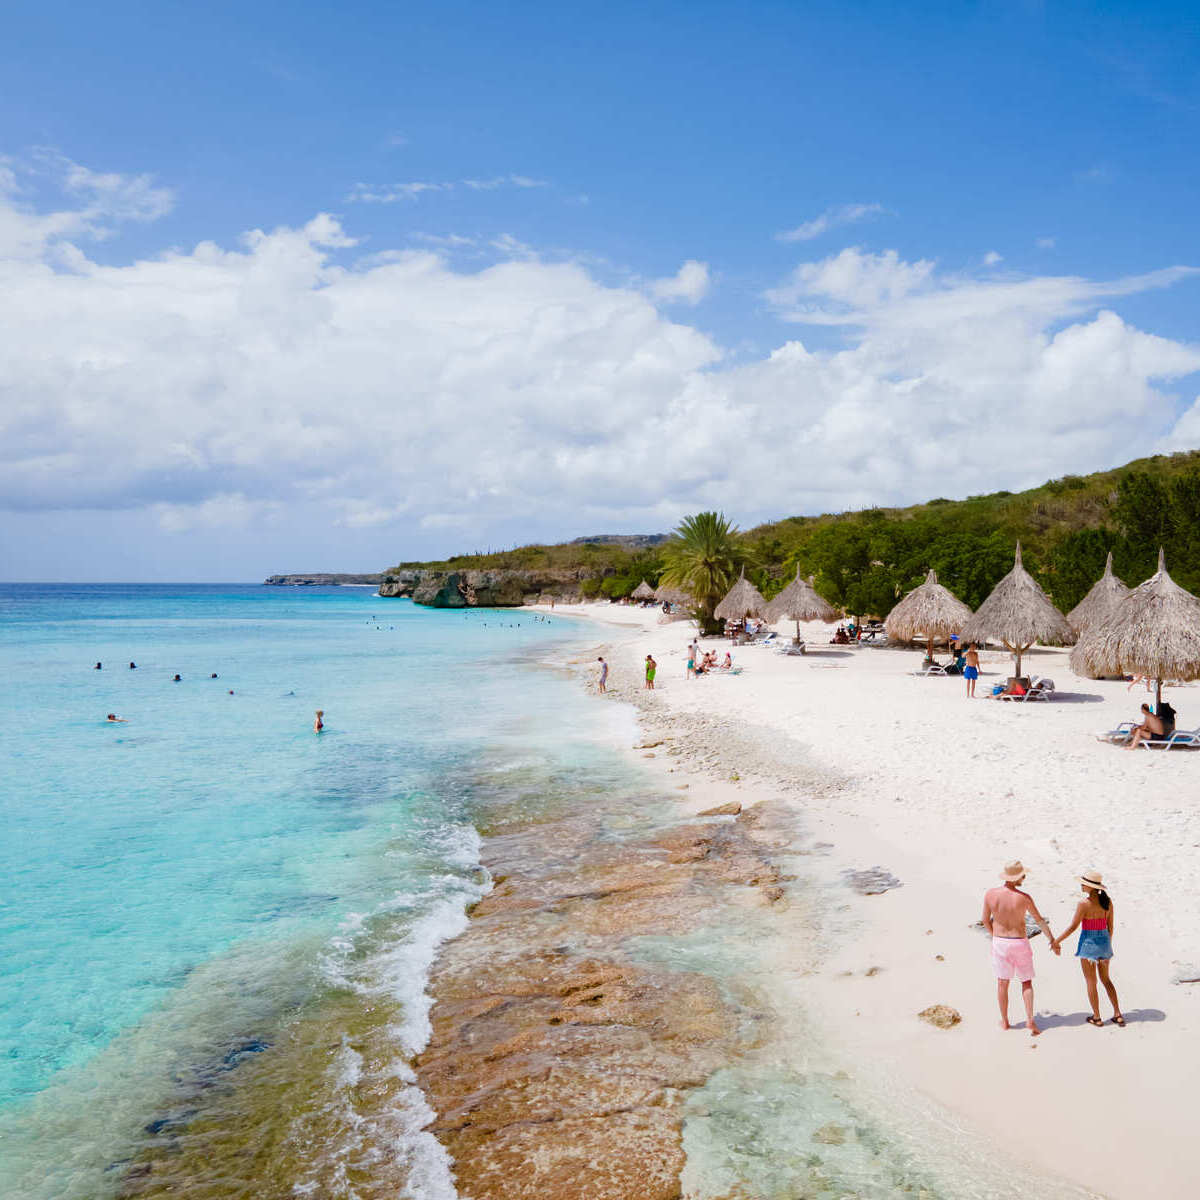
[[865, 561]]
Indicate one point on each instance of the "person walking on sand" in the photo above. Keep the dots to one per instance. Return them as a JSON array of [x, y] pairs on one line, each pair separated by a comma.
[[651, 669], [319, 723], [971, 669], [692, 653], [1095, 913], [603, 687], [1004, 911]]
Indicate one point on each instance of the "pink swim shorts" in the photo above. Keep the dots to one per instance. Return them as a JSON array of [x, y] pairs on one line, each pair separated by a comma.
[[1012, 958]]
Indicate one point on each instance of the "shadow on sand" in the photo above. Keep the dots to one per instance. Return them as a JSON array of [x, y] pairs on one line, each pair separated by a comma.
[[1133, 1016]]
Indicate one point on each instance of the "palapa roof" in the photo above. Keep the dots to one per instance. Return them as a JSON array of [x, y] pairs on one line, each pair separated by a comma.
[[672, 595], [1101, 602], [1154, 631], [800, 601], [928, 609], [643, 591], [743, 599], [1018, 613]]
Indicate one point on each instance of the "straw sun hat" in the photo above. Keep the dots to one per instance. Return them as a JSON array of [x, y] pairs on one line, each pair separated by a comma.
[[1094, 880], [1014, 872]]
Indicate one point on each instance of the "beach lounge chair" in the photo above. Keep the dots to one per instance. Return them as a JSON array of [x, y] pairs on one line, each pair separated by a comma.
[[1180, 739], [931, 669], [1039, 689]]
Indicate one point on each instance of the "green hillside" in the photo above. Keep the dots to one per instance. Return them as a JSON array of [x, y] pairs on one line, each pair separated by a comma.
[[866, 560]]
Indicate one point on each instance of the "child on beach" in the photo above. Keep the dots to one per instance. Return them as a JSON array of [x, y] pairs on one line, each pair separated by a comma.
[[1095, 913], [651, 670], [603, 686], [971, 669]]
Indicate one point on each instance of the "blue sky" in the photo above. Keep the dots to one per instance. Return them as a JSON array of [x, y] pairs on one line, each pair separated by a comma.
[[580, 158]]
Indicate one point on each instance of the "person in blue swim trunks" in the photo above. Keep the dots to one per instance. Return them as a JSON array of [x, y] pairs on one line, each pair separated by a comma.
[[971, 669], [1095, 914]]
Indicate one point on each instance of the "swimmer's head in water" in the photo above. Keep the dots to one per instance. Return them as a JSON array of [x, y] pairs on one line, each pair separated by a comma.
[[320, 712], [176, 679]]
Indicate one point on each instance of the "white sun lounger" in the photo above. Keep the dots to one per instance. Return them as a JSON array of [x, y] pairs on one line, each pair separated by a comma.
[[935, 669], [1039, 689], [1180, 739]]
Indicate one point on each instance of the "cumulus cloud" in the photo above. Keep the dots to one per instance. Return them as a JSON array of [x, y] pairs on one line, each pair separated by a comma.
[[831, 218], [992, 258], [689, 284], [227, 386]]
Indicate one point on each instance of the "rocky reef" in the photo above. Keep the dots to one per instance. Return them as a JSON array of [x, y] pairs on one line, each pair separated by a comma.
[[559, 1064], [500, 588]]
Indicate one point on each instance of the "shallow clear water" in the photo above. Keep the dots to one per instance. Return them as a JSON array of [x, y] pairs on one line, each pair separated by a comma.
[[181, 889]]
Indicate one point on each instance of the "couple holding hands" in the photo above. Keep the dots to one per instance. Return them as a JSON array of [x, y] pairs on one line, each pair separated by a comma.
[[1004, 911]]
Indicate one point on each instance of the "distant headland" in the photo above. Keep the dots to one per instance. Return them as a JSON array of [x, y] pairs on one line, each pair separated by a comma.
[[321, 579]]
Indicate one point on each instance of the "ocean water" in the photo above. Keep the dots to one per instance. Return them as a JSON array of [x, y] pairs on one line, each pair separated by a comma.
[[210, 880]]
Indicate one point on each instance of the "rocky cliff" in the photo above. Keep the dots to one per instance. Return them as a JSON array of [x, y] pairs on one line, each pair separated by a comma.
[[486, 589]]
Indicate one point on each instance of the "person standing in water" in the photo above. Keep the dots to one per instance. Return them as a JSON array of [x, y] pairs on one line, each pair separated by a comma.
[[1095, 913], [1004, 911], [651, 669], [319, 723], [603, 687], [971, 669]]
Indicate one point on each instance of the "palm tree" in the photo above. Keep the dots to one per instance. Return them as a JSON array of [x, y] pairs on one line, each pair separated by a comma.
[[703, 562]]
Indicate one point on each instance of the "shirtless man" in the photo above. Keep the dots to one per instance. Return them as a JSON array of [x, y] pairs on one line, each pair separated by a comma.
[[971, 669], [1152, 727], [1004, 910]]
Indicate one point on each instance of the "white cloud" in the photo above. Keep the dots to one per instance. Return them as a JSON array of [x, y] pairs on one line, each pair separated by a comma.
[[1045, 243], [831, 218], [689, 284], [490, 185], [94, 203], [392, 193], [991, 258], [221, 387]]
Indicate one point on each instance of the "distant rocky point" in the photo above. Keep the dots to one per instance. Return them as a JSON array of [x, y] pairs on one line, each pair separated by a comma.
[[320, 580]]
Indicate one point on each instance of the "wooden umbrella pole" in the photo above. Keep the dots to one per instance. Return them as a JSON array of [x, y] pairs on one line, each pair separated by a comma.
[[1157, 695]]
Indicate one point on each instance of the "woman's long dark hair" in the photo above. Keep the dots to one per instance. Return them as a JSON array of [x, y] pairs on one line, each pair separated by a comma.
[[1103, 900]]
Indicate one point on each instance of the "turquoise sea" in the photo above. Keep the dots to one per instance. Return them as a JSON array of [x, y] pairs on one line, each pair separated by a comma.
[[181, 892]]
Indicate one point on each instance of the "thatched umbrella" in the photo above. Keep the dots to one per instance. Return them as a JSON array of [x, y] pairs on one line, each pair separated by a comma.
[[1018, 613], [1101, 602], [742, 600], [670, 595], [930, 609], [643, 591], [800, 601], [1154, 631]]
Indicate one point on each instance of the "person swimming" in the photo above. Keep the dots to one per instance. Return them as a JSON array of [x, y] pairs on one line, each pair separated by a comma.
[[98, 666], [133, 666], [213, 675], [319, 723], [177, 679], [113, 719]]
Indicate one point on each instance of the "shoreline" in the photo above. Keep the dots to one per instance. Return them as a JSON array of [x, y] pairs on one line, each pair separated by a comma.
[[885, 800]]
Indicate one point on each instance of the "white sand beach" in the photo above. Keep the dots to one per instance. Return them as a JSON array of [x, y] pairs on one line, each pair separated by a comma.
[[905, 773]]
